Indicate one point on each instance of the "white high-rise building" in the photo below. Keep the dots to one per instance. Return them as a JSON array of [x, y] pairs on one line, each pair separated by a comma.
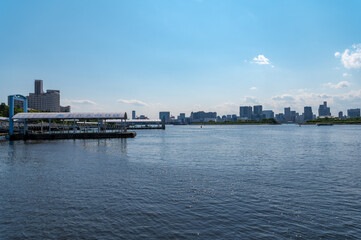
[[48, 101]]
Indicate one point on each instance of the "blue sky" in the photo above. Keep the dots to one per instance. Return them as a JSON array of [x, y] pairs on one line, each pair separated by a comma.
[[184, 56]]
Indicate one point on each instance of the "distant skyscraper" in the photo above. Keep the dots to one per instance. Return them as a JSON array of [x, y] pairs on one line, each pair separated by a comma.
[[38, 87], [290, 116], [164, 116], [280, 117], [245, 112], [323, 110], [257, 113], [353, 113], [133, 114], [340, 114], [287, 112], [307, 114], [257, 110]]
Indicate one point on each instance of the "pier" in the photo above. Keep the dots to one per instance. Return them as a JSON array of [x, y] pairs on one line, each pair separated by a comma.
[[49, 126]]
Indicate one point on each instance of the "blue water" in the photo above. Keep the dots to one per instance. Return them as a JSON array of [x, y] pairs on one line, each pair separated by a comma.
[[187, 182]]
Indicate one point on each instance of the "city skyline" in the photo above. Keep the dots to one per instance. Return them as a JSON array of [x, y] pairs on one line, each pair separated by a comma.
[[184, 56]]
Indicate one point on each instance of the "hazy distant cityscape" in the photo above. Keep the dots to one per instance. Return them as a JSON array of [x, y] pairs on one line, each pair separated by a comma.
[[49, 101]]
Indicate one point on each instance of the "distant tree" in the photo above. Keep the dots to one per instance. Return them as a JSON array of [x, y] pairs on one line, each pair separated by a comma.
[[4, 110]]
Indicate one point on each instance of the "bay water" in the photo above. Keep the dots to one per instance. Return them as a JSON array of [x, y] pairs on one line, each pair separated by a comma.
[[186, 182]]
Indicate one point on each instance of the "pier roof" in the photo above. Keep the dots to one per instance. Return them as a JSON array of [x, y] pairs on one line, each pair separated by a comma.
[[93, 115], [5, 119]]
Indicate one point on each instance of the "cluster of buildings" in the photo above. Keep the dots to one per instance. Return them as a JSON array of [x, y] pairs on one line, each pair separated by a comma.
[[134, 116], [48, 101], [256, 113]]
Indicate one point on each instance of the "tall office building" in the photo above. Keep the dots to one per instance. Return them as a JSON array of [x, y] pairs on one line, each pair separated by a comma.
[[287, 112], [323, 110], [38, 87], [133, 114], [307, 114], [257, 113], [49, 101], [245, 112], [290, 116], [257, 109]]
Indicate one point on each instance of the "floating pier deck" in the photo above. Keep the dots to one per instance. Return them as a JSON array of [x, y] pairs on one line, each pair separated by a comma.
[[31, 126], [58, 136]]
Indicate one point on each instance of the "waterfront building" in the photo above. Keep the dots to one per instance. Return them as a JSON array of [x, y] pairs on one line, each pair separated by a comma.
[[181, 119], [234, 118], [340, 114], [65, 109], [287, 111], [268, 114], [257, 113], [202, 116], [48, 101], [290, 116], [323, 110], [245, 112], [133, 114], [351, 113], [280, 117], [164, 116], [257, 109], [307, 114]]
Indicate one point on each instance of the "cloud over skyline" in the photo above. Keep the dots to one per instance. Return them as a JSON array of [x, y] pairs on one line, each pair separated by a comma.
[[342, 84], [351, 58], [133, 102], [80, 102]]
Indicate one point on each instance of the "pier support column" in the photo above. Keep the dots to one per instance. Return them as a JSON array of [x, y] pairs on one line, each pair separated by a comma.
[[163, 123]]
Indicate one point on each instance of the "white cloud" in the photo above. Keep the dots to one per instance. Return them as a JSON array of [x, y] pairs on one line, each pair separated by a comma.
[[261, 60], [284, 97], [346, 75], [253, 88], [342, 84], [133, 102], [81, 102], [351, 58], [83, 105], [250, 100]]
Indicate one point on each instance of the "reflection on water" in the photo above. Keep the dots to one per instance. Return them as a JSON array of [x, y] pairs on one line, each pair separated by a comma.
[[218, 182]]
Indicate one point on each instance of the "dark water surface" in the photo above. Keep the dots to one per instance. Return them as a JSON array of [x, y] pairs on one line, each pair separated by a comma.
[[218, 182]]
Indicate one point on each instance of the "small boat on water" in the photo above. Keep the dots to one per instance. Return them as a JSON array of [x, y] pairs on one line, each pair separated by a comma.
[[324, 124]]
